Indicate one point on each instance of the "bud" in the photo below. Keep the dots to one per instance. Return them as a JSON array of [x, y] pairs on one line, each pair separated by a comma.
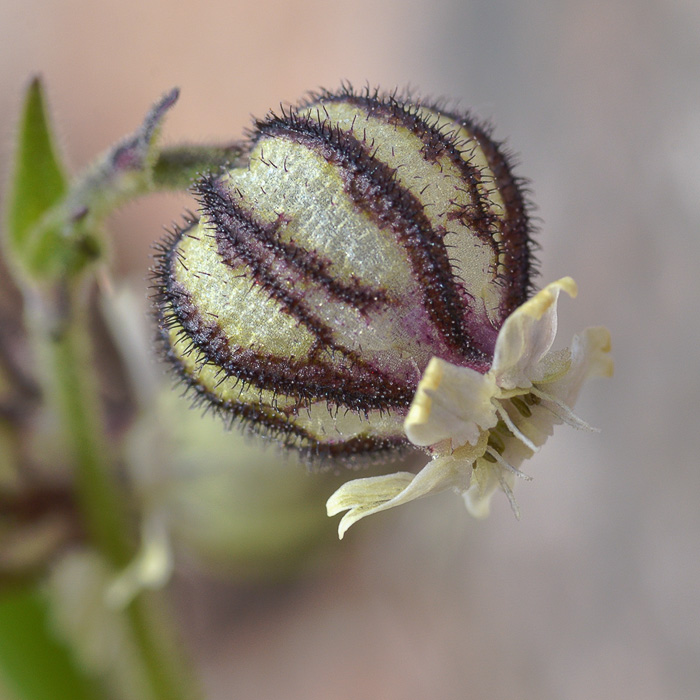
[[365, 240]]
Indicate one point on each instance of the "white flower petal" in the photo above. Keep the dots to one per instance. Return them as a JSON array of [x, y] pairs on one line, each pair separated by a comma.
[[526, 337], [451, 403], [369, 491], [589, 358], [362, 497]]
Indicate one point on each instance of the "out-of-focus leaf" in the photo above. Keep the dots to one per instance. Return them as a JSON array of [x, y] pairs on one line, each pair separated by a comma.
[[38, 181], [34, 664], [132, 650]]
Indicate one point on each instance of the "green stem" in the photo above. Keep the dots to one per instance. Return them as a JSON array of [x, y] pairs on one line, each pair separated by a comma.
[[162, 658], [75, 399], [65, 344], [177, 166]]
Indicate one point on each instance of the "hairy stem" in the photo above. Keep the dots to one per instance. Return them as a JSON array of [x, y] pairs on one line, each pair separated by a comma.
[[177, 166]]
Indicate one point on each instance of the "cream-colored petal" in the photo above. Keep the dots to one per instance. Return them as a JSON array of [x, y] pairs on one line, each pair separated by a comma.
[[589, 357], [451, 403], [367, 492], [526, 337], [362, 497], [595, 342]]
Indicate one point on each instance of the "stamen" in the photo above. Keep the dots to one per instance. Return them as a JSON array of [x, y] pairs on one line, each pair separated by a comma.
[[502, 413], [509, 495], [530, 399], [523, 408], [496, 442], [506, 465], [564, 413]]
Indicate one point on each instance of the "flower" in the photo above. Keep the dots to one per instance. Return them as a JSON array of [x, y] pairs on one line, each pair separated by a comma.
[[357, 283], [480, 427]]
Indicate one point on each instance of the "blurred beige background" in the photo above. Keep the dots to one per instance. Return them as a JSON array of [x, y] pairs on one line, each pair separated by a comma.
[[595, 593]]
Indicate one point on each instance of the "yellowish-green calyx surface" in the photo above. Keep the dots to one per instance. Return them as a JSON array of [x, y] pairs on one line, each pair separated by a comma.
[[365, 236]]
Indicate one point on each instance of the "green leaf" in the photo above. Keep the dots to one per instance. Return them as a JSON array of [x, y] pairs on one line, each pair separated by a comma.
[[38, 181], [34, 664]]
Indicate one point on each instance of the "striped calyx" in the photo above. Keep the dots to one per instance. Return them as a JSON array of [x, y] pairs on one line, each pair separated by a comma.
[[364, 236]]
